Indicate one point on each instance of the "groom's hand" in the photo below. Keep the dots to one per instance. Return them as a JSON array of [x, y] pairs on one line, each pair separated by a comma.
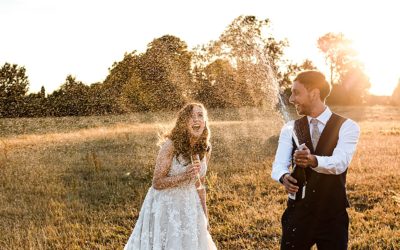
[[290, 184], [304, 158]]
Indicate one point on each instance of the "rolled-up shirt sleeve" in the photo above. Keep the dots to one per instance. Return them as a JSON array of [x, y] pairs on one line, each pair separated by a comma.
[[336, 164], [283, 156]]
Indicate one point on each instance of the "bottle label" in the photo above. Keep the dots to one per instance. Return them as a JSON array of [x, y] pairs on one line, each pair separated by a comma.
[[304, 192]]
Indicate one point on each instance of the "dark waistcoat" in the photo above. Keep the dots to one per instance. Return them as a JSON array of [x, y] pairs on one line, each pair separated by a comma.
[[325, 193]]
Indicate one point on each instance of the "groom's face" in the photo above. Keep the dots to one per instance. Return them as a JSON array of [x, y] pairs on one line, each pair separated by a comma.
[[301, 98]]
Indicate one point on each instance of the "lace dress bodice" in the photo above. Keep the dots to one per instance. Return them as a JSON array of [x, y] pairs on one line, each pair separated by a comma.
[[180, 164]]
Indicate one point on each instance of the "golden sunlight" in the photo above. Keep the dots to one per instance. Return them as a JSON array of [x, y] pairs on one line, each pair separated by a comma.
[[380, 59]]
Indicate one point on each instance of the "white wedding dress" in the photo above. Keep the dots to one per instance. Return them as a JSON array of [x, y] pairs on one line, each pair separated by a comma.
[[172, 218]]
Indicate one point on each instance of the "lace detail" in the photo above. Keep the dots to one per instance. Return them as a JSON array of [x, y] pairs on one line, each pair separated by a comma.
[[173, 218]]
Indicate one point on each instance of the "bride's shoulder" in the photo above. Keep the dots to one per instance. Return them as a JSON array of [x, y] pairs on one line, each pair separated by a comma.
[[167, 143], [167, 146]]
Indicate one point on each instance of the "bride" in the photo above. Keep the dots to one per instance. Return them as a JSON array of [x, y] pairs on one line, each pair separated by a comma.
[[174, 213]]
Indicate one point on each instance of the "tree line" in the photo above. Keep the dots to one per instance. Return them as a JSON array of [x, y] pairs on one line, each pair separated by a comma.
[[244, 67]]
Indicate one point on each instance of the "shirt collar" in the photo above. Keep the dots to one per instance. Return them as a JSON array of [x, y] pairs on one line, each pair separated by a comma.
[[323, 117]]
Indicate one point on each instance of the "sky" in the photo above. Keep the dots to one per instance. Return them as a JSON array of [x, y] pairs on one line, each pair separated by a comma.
[[54, 38]]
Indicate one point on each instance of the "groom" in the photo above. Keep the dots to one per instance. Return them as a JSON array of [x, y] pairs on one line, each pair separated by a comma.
[[330, 141]]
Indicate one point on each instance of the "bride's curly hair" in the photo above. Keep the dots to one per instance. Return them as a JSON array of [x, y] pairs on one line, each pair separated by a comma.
[[180, 136]]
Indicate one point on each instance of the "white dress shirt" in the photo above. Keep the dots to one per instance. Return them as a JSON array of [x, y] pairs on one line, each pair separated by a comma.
[[336, 164]]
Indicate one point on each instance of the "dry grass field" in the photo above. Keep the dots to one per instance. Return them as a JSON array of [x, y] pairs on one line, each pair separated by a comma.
[[79, 182]]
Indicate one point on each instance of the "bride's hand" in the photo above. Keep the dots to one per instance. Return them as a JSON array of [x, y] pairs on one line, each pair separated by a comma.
[[193, 170]]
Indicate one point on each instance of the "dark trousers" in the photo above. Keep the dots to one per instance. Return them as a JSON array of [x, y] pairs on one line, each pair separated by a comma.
[[301, 229]]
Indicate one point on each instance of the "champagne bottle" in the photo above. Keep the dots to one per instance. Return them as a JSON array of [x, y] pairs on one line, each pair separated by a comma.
[[299, 174], [195, 159]]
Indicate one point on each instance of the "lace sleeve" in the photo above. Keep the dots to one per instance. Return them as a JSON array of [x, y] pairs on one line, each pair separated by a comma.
[[161, 180]]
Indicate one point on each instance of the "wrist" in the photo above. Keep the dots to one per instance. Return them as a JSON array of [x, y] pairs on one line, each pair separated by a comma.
[[314, 161], [186, 176]]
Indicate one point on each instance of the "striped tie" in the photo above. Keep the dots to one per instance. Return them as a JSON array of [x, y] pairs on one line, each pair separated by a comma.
[[315, 134]]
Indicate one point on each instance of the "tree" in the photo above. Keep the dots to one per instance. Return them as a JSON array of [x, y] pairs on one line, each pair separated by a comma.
[[35, 104], [356, 84], [162, 76], [71, 99], [349, 82], [251, 51], [220, 88], [353, 89], [338, 54], [14, 85], [109, 97], [42, 92], [285, 77]]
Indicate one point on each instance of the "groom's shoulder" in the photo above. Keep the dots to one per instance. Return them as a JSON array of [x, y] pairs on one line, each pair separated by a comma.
[[347, 123], [300, 121], [344, 118], [291, 123], [288, 127], [339, 118]]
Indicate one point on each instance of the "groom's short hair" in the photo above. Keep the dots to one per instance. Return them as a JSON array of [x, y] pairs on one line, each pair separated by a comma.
[[312, 79]]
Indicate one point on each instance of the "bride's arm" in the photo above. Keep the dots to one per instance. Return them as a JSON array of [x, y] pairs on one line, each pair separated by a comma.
[[161, 180]]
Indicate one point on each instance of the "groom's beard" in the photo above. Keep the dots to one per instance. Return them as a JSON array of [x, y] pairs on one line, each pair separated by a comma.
[[302, 109], [305, 107]]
